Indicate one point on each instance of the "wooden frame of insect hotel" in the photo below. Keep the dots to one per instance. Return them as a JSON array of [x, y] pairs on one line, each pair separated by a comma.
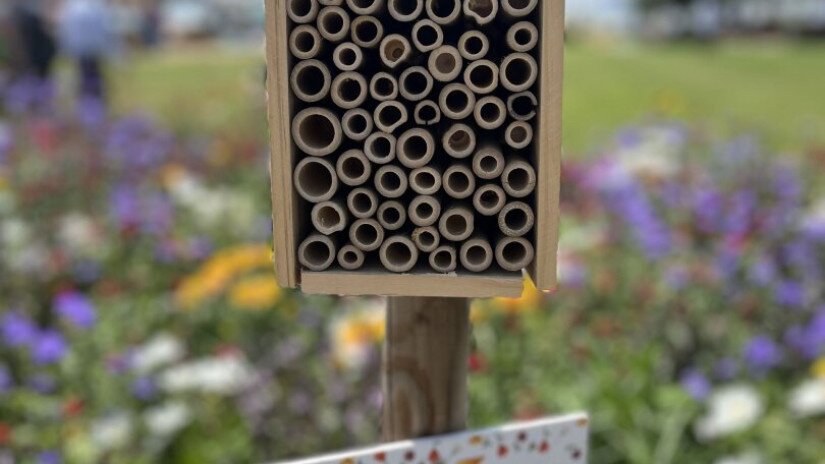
[[415, 144]]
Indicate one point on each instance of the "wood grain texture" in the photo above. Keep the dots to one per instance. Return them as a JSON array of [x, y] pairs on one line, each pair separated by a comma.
[[384, 283], [549, 144], [284, 203], [424, 369]]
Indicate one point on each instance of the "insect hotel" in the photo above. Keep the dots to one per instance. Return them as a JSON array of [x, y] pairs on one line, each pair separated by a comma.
[[415, 145]]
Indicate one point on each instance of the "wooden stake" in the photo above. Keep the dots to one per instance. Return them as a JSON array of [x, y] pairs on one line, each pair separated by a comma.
[[424, 372]]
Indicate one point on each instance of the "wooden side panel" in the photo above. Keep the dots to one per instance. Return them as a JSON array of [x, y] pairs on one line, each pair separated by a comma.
[[548, 160], [284, 202], [383, 283]]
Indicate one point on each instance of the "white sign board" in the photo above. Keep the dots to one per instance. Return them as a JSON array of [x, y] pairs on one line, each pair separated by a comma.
[[559, 440]]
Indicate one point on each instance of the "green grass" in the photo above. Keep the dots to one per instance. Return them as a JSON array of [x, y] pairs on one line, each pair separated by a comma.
[[774, 88]]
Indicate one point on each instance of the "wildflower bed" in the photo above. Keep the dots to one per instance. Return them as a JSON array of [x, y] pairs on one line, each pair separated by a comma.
[[140, 322]]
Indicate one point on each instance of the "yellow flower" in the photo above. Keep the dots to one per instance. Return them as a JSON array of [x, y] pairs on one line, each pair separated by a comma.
[[528, 302], [354, 335], [818, 368], [256, 292], [219, 271]]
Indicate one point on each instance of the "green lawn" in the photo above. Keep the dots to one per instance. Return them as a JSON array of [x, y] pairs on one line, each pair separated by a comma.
[[773, 87]]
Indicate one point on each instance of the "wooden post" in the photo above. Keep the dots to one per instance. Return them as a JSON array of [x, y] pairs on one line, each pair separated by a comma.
[[424, 372]]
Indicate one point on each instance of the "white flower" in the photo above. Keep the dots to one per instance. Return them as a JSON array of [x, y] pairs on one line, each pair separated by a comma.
[[168, 418], [225, 376], [656, 153], [746, 458], [112, 432], [731, 409], [14, 233], [161, 350], [808, 399]]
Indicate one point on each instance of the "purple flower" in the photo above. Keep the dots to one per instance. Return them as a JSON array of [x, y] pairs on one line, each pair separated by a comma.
[[762, 271], [809, 339], [707, 206], [17, 329], [628, 200], [49, 457], [762, 353], [144, 388], [695, 384], [6, 381], [75, 308], [790, 293], [42, 383], [49, 348], [91, 112]]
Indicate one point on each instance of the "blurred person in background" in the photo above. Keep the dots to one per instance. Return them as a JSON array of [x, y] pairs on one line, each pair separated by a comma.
[[86, 34], [31, 46], [150, 27]]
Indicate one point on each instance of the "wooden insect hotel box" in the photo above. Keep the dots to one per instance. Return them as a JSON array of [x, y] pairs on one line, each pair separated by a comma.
[[415, 144]]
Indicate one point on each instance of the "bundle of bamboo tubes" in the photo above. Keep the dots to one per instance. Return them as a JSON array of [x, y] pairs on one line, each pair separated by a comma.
[[414, 125]]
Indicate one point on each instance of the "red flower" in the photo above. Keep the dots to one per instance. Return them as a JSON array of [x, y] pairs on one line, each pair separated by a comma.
[[73, 407], [477, 362], [5, 433]]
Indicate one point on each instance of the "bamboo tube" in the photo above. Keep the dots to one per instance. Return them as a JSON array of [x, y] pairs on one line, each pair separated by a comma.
[[459, 141], [424, 210], [392, 215], [405, 11], [415, 148], [317, 252], [310, 80], [459, 182], [522, 36], [473, 45], [522, 106], [302, 11], [518, 178], [425, 181], [391, 181], [426, 238], [456, 223], [353, 168], [350, 258], [456, 101], [362, 203], [489, 199], [445, 63], [443, 12], [443, 259], [481, 76], [394, 49], [331, 2], [304, 42], [516, 219], [380, 147], [398, 254], [519, 72], [383, 87], [357, 124], [347, 56], [427, 35], [518, 134], [426, 113], [518, 8], [315, 179], [481, 11], [349, 90], [490, 112], [415, 83], [316, 131], [514, 253], [366, 234], [366, 7], [476, 255], [329, 217], [390, 115], [488, 162], [367, 31], [333, 23]]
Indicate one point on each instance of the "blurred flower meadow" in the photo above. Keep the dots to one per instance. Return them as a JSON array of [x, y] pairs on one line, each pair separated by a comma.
[[140, 320]]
